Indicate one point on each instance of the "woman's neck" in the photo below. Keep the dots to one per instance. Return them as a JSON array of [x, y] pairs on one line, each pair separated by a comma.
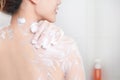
[[22, 28], [29, 19], [27, 12]]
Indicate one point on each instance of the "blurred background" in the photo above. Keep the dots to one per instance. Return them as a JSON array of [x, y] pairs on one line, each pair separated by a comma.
[[95, 25]]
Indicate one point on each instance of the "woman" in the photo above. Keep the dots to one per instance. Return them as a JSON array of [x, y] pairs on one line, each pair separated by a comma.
[[33, 48]]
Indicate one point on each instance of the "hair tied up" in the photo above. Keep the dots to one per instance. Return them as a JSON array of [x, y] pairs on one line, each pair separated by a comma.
[[2, 4]]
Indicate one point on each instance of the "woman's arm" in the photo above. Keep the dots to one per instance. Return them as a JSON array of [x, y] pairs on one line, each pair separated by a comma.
[[74, 65]]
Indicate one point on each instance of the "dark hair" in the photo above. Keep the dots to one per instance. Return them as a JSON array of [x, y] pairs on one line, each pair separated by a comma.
[[9, 6]]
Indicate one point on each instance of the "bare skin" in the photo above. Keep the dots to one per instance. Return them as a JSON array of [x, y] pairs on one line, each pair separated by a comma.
[[17, 57], [11, 50], [16, 54]]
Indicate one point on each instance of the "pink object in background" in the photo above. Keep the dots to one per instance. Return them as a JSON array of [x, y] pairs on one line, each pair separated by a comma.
[[97, 73]]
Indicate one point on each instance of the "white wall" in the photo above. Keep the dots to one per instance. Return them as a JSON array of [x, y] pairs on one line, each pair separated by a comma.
[[94, 24], [4, 19], [107, 37]]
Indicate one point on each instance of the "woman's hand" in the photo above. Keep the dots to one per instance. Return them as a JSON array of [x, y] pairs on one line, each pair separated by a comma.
[[47, 34]]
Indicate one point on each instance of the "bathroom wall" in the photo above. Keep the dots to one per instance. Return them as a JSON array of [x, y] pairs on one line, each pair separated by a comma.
[[95, 25], [107, 37], [4, 20]]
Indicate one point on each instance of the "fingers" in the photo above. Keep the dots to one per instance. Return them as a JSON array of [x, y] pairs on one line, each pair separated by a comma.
[[42, 26], [50, 36], [34, 27], [47, 35], [56, 34], [43, 42]]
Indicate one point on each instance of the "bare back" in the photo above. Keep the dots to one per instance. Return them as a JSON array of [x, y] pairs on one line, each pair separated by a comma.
[[20, 61], [15, 58]]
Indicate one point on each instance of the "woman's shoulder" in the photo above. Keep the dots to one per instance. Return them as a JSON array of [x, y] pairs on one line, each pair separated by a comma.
[[68, 43], [62, 38], [56, 36], [68, 40]]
